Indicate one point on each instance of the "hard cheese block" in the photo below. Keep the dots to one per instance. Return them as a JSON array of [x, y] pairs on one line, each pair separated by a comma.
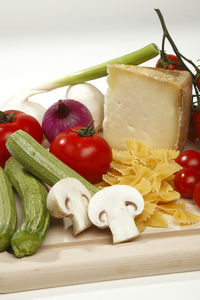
[[148, 104]]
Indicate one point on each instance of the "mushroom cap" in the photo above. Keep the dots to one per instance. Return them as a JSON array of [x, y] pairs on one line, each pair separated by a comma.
[[111, 199]]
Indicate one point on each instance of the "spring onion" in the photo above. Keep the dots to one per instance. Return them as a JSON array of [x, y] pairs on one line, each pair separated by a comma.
[[20, 101]]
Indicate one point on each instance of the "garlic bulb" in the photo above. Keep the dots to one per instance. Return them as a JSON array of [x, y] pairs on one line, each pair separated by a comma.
[[91, 97], [21, 102]]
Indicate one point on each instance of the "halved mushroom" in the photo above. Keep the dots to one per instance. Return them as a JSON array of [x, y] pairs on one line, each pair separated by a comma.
[[115, 207], [70, 198]]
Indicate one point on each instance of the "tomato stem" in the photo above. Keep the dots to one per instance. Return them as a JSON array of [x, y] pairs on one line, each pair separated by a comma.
[[6, 118], [86, 131], [181, 58]]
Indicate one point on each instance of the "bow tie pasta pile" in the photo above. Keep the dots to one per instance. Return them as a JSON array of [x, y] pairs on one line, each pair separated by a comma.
[[152, 173]]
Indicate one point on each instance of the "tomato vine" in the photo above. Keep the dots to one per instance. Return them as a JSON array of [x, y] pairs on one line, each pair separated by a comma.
[[182, 62]]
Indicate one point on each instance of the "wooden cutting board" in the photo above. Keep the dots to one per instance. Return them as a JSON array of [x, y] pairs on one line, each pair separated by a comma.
[[65, 260], [91, 256]]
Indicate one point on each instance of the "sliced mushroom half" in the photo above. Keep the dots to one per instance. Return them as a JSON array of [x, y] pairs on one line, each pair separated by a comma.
[[115, 207], [70, 198]]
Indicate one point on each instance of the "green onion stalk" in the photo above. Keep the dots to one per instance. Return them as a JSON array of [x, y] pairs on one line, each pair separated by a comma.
[[20, 100], [134, 58]]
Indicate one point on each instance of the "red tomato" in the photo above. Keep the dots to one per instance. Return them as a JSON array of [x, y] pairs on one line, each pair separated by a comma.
[[21, 121], [196, 123], [90, 156], [191, 132], [196, 194], [189, 159], [185, 181], [169, 65]]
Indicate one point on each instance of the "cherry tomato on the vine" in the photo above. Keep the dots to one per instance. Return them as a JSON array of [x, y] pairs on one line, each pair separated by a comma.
[[191, 132], [169, 66], [189, 159], [196, 123], [90, 156], [11, 121], [185, 180]]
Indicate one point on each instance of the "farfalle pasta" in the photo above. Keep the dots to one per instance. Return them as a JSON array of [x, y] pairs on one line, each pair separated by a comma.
[[152, 173]]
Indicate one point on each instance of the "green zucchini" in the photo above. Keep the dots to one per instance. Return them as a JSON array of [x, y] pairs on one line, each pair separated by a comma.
[[40, 162], [33, 194], [8, 213]]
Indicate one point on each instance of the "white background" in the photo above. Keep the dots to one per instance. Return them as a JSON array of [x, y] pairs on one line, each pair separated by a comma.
[[43, 39]]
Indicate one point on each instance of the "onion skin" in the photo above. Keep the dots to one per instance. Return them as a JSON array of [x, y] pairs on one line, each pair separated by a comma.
[[63, 115]]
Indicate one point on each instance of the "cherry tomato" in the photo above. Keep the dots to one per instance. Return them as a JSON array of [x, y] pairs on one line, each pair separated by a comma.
[[196, 194], [11, 121], [170, 65], [196, 123], [191, 132], [185, 181], [90, 156], [189, 159]]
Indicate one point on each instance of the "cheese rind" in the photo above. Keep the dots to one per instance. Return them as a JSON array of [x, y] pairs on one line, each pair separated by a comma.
[[149, 104]]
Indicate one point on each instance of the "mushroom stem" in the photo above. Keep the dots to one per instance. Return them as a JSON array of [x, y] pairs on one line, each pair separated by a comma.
[[122, 225], [79, 216]]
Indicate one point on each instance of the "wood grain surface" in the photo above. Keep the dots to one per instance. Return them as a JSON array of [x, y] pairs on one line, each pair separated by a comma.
[[91, 257], [63, 259]]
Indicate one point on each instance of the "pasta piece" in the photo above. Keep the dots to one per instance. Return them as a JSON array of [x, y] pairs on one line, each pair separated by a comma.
[[137, 148], [157, 220], [114, 173], [182, 216], [163, 171], [165, 155], [149, 209], [143, 171], [144, 186], [166, 187], [131, 180], [149, 161], [141, 226], [168, 196], [122, 168], [110, 179], [151, 197], [122, 156], [171, 208]]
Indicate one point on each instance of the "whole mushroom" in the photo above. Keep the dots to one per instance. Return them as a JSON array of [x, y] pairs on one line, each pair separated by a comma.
[[115, 207]]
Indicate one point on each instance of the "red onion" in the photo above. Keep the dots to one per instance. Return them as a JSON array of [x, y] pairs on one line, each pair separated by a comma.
[[62, 115]]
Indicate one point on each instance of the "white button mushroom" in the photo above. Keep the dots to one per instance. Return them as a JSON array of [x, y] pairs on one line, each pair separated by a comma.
[[115, 207], [91, 97], [70, 198]]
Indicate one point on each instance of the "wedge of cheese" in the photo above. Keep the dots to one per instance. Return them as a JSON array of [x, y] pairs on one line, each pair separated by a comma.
[[148, 104]]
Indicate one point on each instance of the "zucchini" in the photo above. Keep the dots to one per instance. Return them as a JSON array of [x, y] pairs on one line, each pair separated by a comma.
[[8, 213], [40, 162], [33, 194]]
